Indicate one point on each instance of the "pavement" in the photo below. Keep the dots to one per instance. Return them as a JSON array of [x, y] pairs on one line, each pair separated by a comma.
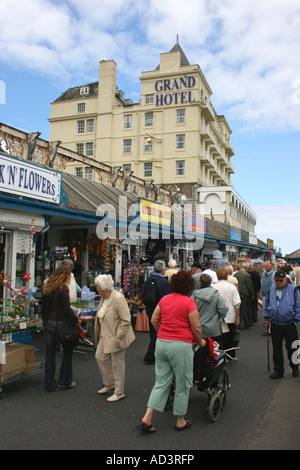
[[259, 414]]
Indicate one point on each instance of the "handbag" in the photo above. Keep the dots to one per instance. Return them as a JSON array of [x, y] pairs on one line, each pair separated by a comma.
[[224, 326], [67, 333]]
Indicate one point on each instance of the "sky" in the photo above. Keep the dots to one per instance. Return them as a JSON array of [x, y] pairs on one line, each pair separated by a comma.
[[248, 51]]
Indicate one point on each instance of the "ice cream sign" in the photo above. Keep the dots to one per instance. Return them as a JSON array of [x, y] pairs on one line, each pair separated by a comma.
[[25, 179]]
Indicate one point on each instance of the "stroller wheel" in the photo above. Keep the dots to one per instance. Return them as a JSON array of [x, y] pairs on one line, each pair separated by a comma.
[[223, 399], [214, 408]]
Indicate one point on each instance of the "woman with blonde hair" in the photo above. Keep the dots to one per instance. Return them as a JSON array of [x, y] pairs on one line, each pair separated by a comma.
[[113, 335], [57, 313]]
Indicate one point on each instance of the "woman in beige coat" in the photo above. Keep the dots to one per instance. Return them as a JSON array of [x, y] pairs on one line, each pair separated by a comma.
[[113, 335]]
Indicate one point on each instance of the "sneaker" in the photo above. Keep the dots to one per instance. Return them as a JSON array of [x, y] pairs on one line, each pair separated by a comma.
[[115, 397], [105, 390], [72, 385]]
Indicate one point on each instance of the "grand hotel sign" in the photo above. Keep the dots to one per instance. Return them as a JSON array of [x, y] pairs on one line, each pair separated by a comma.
[[174, 91]]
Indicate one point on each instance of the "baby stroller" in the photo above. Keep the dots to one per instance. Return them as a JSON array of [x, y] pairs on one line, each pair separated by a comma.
[[210, 376]]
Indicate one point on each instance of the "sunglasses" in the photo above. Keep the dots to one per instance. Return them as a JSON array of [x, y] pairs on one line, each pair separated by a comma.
[[279, 280]]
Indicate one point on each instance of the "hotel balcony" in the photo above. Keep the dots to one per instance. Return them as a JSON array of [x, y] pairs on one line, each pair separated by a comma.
[[229, 148], [207, 111], [206, 135]]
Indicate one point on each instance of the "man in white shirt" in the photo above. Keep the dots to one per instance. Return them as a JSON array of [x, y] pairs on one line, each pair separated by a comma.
[[210, 272]]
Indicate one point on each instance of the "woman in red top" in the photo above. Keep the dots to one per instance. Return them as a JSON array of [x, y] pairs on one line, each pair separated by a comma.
[[176, 319]]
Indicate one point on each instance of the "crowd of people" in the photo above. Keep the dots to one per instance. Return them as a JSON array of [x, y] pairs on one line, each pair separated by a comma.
[[185, 308]]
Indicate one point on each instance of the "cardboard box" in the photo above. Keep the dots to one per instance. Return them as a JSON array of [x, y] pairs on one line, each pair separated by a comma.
[[29, 358], [14, 361]]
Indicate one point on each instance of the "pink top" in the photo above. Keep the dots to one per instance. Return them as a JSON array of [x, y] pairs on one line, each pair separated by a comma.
[[175, 325]]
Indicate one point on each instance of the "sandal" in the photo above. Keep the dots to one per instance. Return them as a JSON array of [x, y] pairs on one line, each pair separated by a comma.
[[182, 428], [146, 428]]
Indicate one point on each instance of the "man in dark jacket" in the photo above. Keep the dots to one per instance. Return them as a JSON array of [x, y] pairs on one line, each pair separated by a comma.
[[246, 293], [162, 288], [255, 278], [282, 308]]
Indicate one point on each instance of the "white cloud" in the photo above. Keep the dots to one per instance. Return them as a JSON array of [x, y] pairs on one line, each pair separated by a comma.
[[248, 51], [281, 224]]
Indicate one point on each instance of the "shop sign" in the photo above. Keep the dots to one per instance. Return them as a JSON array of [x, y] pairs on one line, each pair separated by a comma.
[[25, 179], [175, 91], [231, 249], [155, 213], [235, 234], [252, 238], [217, 254], [23, 242], [270, 243]]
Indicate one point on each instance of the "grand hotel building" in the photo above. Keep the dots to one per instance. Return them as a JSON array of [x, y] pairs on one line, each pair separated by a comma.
[[172, 137]]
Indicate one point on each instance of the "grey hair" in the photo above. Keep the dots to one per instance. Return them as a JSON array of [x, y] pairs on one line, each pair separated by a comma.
[[229, 269], [159, 266], [68, 262], [172, 263], [105, 282], [245, 265]]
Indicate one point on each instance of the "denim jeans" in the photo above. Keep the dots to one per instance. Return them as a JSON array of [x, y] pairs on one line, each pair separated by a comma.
[[65, 375]]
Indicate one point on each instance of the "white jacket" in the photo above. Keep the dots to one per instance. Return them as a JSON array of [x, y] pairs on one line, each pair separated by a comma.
[[230, 293]]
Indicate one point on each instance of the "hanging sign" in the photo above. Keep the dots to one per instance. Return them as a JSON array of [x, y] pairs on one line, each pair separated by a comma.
[[25, 179], [155, 213]]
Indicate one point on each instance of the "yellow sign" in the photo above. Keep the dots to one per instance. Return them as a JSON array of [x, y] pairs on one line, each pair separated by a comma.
[[270, 243], [155, 213]]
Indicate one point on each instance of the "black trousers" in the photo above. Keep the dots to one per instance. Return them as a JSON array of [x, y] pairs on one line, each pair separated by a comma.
[[278, 334], [150, 354]]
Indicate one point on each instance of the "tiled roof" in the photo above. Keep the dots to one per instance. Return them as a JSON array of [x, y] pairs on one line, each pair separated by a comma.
[[183, 59], [74, 93]]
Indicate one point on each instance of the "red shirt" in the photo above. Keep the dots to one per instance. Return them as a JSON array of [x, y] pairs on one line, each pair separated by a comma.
[[174, 321]]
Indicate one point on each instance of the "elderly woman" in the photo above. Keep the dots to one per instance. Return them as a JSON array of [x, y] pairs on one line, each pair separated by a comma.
[[229, 292], [113, 335], [211, 306], [176, 320]]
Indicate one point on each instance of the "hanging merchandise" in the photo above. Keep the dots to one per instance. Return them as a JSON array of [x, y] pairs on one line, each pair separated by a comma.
[[138, 249], [127, 279]]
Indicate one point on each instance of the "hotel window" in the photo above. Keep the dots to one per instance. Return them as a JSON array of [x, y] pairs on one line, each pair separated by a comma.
[[90, 125], [127, 167], [127, 145], [148, 147], [89, 149], [89, 173], [80, 127], [79, 149], [148, 119], [147, 170], [180, 141], [180, 116], [149, 99], [180, 167], [81, 107], [84, 90], [128, 121], [79, 172]]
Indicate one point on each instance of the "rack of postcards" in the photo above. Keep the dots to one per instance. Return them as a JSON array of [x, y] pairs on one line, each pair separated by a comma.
[[17, 359]]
